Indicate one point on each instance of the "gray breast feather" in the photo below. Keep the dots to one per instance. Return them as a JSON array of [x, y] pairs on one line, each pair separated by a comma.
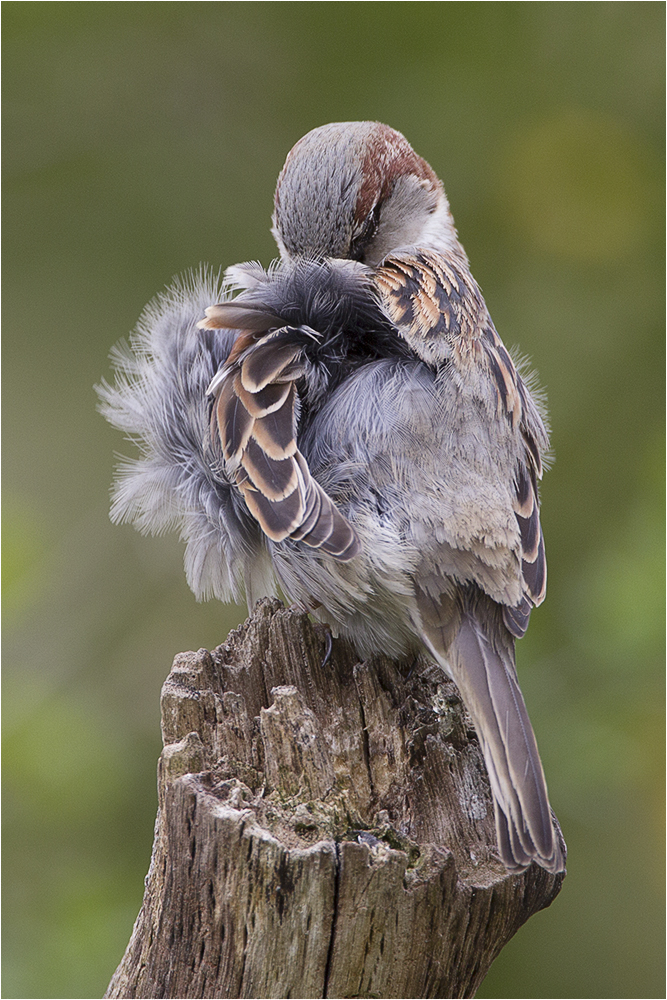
[[159, 400]]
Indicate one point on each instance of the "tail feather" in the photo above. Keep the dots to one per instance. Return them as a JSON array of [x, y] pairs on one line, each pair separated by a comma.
[[481, 662], [486, 677]]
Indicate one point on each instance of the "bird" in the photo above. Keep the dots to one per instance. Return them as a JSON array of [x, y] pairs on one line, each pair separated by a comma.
[[347, 425]]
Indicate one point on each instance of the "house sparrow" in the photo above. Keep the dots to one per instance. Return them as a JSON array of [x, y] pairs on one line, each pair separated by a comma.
[[351, 427]]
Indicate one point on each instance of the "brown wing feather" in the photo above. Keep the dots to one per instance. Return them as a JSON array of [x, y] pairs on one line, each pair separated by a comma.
[[533, 557], [239, 315], [431, 300], [274, 433], [275, 478], [254, 418], [260, 367], [234, 422], [267, 400], [277, 519]]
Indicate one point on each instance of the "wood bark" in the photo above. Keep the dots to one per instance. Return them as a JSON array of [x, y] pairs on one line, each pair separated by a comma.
[[324, 830]]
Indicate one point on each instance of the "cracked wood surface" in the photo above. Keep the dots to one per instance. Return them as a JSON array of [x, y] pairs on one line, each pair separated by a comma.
[[323, 831]]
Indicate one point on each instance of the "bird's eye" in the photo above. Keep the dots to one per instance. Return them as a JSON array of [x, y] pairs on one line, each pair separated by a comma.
[[361, 242]]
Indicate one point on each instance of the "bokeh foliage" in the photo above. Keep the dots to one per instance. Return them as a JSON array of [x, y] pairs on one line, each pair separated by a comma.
[[143, 138]]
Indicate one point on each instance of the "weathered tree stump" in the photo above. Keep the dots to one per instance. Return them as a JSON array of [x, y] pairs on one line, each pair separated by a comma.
[[323, 831]]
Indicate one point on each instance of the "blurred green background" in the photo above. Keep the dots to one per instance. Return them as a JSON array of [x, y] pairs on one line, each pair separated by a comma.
[[143, 138]]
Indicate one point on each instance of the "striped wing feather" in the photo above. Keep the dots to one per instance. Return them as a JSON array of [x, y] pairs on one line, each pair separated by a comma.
[[254, 419]]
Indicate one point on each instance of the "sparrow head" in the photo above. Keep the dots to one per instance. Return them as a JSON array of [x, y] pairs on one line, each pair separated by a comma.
[[358, 190]]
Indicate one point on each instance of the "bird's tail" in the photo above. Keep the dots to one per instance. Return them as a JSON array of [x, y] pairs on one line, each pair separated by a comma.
[[484, 672]]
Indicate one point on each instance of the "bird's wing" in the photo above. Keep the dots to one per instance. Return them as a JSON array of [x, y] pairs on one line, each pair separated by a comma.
[[438, 308], [254, 418]]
